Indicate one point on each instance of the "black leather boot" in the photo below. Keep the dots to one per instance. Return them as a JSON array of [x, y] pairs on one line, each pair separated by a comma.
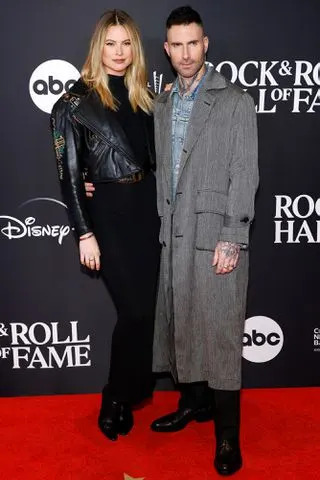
[[228, 458], [109, 417], [125, 419], [175, 421], [195, 404]]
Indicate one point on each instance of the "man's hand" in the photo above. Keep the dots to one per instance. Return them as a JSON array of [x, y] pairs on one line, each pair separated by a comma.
[[225, 257], [89, 187]]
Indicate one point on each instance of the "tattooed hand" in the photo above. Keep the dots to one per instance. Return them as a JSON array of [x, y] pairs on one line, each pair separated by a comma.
[[225, 257]]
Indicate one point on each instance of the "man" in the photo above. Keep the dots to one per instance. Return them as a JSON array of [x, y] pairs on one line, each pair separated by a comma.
[[206, 143]]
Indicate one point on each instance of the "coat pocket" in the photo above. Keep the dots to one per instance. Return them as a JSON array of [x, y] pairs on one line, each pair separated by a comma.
[[210, 210]]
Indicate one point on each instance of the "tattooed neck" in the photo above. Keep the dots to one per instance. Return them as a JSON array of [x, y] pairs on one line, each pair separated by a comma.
[[187, 85]]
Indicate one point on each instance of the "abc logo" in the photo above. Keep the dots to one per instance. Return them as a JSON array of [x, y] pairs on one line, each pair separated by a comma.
[[262, 340], [49, 81]]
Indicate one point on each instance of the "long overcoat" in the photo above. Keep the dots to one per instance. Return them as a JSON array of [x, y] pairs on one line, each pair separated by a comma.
[[200, 315]]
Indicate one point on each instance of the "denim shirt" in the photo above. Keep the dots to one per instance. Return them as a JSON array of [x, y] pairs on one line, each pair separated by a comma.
[[181, 111]]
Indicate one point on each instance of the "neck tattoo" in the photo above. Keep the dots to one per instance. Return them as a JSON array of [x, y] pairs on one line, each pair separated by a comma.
[[186, 85]]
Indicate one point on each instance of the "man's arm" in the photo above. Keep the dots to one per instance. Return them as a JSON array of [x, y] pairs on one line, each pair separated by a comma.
[[244, 179]]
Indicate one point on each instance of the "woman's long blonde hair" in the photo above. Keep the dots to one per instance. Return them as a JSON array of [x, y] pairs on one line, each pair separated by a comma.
[[94, 75]]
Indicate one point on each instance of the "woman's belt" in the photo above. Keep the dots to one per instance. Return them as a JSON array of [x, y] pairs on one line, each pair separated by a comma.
[[135, 177]]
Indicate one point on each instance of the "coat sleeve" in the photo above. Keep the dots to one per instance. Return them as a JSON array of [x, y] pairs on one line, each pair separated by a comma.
[[66, 139], [243, 174]]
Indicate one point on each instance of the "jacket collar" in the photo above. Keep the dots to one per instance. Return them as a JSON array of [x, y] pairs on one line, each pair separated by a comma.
[[213, 81], [203, 105]]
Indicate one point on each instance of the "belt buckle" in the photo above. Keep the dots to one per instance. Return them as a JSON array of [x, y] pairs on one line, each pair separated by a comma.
[[134, 178]]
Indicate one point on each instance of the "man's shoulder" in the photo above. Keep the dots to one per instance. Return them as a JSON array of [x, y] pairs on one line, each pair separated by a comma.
[[217, 80]]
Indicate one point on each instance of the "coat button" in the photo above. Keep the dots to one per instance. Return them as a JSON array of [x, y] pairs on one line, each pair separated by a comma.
[[164, 244], [168, 201], [245, 219]]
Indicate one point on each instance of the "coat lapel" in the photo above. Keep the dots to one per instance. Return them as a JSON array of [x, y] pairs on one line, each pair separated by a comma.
[[166, 134], [202, 107]]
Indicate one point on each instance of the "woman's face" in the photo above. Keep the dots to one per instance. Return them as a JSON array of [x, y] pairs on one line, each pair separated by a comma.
[[117, 51]]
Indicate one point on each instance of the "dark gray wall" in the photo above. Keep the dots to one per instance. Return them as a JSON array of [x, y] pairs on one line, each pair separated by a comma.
[[43, 292]]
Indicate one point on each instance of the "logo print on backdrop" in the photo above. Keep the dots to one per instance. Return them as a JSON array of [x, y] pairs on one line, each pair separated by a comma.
[[293, 83], [157, 82], [297, 219], [44, 345], [316, 339], [263, 339], [49, 81], [15, 228]]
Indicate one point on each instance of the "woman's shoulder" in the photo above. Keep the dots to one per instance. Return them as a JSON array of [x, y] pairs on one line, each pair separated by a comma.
[[72, 98]]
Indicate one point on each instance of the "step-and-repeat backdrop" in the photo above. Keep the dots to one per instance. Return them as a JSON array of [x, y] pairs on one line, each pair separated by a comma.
[[56, 321]]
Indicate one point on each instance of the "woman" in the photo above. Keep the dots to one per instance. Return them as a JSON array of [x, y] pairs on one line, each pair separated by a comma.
[[103, 130]]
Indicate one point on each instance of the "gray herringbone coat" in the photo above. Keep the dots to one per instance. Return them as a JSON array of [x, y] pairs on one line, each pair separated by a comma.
[[200, 315]]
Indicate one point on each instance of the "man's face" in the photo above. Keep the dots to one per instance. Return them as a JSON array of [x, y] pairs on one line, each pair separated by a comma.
[[186, 46]]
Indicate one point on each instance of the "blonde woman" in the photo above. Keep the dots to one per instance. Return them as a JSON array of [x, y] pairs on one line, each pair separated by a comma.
[[103, 130]]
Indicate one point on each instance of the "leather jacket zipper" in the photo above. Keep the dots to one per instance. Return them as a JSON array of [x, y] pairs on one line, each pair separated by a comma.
[[87, 124]]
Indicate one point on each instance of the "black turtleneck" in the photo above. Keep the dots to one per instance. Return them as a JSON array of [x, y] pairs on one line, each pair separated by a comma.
[[133, 123]]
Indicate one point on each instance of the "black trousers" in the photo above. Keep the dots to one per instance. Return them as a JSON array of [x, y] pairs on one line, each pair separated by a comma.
[[126, 225], [226, 406]]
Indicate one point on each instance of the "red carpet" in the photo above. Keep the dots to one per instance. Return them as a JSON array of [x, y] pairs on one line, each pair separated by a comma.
[[49, 438]]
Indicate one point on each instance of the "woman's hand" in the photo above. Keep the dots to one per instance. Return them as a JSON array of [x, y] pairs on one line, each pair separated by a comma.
[[89, 252], [89, 188]]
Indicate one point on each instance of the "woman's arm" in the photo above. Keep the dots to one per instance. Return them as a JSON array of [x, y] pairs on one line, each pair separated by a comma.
[[67, 145], [66, 138]]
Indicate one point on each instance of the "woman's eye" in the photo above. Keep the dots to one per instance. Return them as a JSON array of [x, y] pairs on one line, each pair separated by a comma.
[[127, 44], [109, 44]]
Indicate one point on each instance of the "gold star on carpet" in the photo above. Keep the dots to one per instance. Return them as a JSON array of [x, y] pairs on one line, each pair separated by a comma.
[[127, 477]]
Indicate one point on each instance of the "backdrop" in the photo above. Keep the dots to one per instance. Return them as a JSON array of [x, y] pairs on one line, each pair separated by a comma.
[[56, 321]]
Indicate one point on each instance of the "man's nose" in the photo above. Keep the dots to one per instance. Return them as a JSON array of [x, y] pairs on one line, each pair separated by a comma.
[[185, 52]]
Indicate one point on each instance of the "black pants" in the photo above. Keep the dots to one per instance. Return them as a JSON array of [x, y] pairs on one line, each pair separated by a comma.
[[126, 225], [226, 406]]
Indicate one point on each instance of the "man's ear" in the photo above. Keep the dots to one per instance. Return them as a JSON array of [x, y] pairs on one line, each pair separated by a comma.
[[206, 43], [166, 47]]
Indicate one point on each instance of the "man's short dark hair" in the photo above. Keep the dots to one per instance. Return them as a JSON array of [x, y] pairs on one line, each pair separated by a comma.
[[183, 16]]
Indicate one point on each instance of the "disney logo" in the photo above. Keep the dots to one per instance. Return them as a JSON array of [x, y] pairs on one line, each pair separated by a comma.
[[15, 228]]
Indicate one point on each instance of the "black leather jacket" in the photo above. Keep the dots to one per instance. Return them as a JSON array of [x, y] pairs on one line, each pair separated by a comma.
[[90, 143]]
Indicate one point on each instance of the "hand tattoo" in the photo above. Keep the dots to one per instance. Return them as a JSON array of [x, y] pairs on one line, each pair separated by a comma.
[[230, 250]]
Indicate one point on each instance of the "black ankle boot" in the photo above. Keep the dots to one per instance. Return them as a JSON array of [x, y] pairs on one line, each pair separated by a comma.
[[227, 422], [109, 417], [196, 403], [173, 422], [125, 419], [228, 456]]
